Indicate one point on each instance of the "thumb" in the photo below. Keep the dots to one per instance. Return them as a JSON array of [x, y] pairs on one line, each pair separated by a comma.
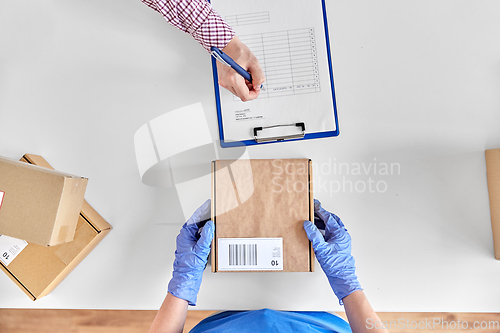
[[207, 234], [313, 234]]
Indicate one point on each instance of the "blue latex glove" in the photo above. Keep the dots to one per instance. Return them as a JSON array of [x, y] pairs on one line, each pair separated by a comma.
[[193, 247], [333, 252]]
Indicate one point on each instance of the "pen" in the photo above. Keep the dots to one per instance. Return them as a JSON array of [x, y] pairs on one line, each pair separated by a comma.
[[226, 60]]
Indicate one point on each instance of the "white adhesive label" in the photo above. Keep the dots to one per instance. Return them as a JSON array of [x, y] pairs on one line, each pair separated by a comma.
[[10, 248], [1, 198], [245, 254]]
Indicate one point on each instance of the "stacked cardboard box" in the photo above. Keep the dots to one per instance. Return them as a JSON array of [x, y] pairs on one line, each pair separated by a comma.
[[33, 265], [39, 205], [493, 176]]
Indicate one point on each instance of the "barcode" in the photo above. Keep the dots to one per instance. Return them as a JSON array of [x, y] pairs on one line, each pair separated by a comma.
[[242, 254]]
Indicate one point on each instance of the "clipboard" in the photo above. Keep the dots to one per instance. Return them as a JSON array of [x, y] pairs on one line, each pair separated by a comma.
[[287, 108]]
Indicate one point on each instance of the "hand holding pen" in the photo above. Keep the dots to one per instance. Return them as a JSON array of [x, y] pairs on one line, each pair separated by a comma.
[[245, 86]]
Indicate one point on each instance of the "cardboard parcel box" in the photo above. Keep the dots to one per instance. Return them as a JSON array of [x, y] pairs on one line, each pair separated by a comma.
[[259, 207], [493, 176], [37, 204], [37, 269]]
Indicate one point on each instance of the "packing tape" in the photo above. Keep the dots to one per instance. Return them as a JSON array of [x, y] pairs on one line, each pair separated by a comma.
[[63, 233]]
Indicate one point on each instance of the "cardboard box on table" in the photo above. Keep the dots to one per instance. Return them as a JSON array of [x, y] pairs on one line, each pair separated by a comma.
[[37, 204], [264, 199], [493, 174], [37, 269]]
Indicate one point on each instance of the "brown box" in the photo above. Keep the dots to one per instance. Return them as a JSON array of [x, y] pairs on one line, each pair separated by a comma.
[[37, 269], [262, 199], [493, 174], [39, 205]]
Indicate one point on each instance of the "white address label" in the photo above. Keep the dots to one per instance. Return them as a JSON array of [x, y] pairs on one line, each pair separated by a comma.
[[245, 254], [10, 248]]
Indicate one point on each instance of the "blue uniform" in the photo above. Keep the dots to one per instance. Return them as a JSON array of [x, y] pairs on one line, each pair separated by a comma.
[[267, 320]]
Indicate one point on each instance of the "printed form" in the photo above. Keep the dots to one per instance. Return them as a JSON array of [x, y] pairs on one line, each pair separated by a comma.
[[288, 39]]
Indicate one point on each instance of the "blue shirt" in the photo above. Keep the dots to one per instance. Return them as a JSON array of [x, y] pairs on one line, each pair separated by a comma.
[[267, 320]]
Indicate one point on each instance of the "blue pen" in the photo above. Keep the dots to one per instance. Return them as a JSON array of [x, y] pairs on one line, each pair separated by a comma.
[[226, 60]]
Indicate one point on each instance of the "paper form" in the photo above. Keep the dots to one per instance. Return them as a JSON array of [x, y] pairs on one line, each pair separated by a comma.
[[288, 39]]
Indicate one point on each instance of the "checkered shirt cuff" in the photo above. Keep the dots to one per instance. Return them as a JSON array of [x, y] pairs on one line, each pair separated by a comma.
[[197, 18]]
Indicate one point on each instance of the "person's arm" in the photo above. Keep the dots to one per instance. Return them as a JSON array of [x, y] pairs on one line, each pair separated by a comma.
[[171, 316], [362, 317], [191, 257], [205, 25], [333, 251], [196, 18]]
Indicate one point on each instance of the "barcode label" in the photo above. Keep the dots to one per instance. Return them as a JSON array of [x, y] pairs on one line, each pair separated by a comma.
[[240, 254]]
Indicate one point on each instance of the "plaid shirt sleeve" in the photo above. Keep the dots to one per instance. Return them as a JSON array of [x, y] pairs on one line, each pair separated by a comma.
[[197, 18]]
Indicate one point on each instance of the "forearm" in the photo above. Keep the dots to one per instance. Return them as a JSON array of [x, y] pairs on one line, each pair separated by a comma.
[[171, 316], [197, 18], [362, 317]]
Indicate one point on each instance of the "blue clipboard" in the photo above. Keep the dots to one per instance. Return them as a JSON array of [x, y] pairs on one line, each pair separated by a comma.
[[306, 136]]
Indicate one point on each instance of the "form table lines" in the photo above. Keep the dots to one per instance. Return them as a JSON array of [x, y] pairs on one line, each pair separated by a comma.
[[288, 59]]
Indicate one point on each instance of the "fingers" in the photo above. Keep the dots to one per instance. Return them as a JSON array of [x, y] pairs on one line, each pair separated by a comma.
[[314, 235], [237, 85], [202, 247], [334, 228], [187, 237], [257, 73], [201, 214], [241, 89], [334, 225], [234, 82], [322, 213]]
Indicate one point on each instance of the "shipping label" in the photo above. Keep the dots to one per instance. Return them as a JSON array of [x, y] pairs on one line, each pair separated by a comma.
[[245, 254], [9, 248]]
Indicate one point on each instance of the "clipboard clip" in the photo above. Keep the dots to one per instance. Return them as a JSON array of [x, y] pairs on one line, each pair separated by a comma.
[[280, 138]]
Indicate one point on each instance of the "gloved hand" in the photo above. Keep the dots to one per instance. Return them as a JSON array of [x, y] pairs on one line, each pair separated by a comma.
[[333, 252], [191, 255]]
